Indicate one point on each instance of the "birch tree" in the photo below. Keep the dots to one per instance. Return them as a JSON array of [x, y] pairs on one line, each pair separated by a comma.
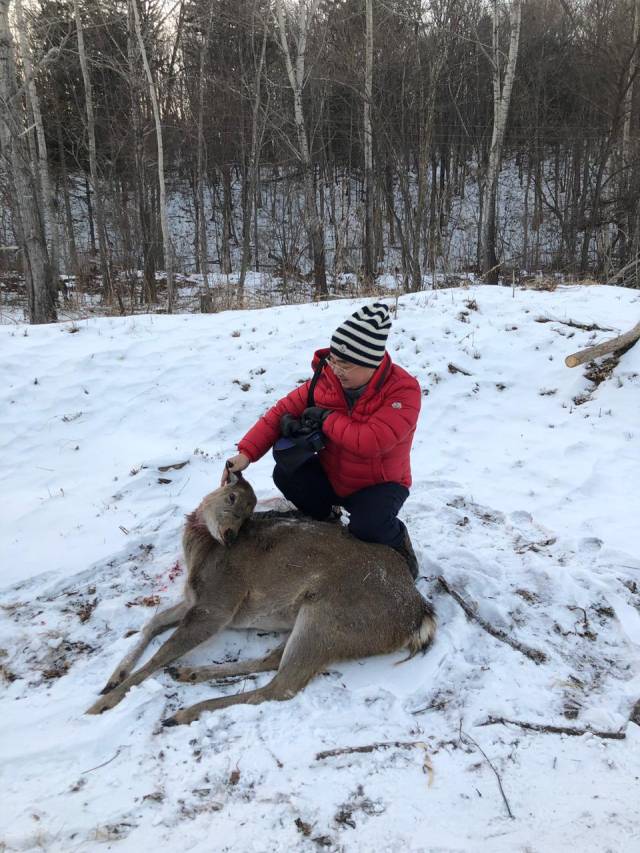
[[502, 87], [299, 20]]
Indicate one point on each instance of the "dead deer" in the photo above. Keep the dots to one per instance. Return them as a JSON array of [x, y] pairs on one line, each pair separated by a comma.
[[338, 597]]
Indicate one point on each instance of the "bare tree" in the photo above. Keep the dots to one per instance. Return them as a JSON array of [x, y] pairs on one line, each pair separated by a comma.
[[164, 219], [201, 163], [48, 200], [254, 159], [299, 20], [634, 64], [28, 220], [284, 99], [413, 156], [368, 261], [631, 230], [501, 99], [103, 249]]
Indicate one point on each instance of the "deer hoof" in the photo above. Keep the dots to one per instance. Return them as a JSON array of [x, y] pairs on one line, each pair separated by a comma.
[[181, 673], [98, 707], [109, 701], [182, 717]]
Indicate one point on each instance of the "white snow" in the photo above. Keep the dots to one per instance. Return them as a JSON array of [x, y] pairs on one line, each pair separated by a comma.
[[524, 501]]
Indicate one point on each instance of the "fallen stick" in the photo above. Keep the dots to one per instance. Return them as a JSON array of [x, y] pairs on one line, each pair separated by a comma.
[[622, 342], [371, 747], [552, 730], [465, 736], [533, 654], [104, 763], [427, 767], [586, 327], [452, 368]]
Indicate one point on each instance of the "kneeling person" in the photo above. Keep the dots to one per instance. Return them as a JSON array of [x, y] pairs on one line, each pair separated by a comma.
[[361, 409]]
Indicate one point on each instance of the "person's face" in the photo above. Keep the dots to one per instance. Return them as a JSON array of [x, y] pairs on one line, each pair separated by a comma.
[[350, 375]]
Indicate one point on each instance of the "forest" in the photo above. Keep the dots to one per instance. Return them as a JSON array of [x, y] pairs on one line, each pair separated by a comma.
[[320, 144], [195, 197]]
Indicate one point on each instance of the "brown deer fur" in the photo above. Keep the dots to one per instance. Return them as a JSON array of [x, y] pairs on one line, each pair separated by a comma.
[[338, 597]]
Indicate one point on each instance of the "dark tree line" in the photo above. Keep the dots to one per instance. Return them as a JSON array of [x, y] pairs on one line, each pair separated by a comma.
[[321, 136]]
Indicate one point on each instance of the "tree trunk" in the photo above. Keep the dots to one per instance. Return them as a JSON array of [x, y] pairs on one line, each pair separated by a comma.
[[622, 342], [368, 260], [525, 220], [105, 267], [201, 167], [629, 166], [148, 293], [28, 220], [254, 162], [48, 199], [390, 203], [71, 237], [164, 219], [225, 253], [501, 101], [315, 226]]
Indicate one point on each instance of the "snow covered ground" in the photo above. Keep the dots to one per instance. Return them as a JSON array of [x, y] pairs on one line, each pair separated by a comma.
[[524, 501]]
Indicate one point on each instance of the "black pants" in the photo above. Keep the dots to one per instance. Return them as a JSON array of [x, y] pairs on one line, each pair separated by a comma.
[[373, 510]]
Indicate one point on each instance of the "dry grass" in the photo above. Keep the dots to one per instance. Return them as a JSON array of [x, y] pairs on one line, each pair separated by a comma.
[[192, 297]]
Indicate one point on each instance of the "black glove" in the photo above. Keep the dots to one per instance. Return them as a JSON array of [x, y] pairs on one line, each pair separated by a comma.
[[290, 426], [313, 417]]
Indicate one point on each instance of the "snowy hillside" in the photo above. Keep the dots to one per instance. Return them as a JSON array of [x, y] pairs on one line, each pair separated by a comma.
[[524, 503]]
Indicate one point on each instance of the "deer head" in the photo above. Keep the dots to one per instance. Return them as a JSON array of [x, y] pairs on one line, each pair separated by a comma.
[[225, 510]]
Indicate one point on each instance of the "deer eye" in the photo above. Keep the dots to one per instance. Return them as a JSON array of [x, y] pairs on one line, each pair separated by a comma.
[[232, 498]]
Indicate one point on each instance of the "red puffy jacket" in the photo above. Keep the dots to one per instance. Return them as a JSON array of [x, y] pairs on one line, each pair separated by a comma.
[[369, 444]]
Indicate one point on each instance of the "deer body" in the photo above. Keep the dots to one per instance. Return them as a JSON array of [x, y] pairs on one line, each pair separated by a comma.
[[338, 597]]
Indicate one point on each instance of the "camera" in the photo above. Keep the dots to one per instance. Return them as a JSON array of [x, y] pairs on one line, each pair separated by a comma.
[[297, 444]]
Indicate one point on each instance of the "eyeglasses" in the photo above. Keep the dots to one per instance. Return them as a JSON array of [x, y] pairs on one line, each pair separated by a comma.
[[341, 366]]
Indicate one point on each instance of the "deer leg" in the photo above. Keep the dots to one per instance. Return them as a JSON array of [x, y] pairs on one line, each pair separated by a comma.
[[160, 622], [198, 624], [307, 651], [195, 674]]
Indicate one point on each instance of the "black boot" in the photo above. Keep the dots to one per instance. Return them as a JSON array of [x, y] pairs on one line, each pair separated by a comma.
[[405, 549], [335, 514]]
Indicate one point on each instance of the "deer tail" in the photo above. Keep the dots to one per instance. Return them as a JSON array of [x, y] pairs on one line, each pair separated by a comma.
[[422, 636]]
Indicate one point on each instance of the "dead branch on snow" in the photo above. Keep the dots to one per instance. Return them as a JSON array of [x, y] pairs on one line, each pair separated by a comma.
[[535, 655], [620, 344]]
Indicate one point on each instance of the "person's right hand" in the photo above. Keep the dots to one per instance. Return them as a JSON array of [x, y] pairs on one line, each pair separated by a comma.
[[234, 465]]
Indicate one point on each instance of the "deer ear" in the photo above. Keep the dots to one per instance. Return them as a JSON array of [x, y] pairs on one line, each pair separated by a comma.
[[235, 477]]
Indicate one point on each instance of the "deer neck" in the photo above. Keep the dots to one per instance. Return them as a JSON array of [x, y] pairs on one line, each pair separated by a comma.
[[197, 541]]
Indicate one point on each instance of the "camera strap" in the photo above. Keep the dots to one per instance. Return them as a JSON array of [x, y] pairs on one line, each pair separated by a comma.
[[314, 381], [293, 451]]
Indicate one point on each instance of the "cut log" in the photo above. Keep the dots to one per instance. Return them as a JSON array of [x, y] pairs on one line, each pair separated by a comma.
[[622, 342]]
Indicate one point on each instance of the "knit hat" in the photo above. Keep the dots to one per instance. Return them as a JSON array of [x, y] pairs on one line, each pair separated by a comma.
[[362, 337]]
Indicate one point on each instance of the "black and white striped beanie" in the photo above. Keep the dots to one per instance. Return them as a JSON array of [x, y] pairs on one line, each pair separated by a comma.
[[361, 339]]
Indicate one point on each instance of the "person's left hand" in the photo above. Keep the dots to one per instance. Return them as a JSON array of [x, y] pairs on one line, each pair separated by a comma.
[[314, 417], [290, 426]]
